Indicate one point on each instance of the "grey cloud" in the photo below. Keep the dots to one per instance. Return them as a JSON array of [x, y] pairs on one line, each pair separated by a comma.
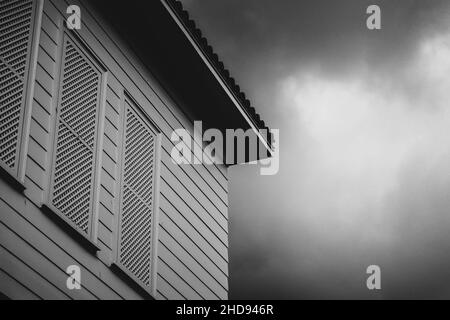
[[311, 231]]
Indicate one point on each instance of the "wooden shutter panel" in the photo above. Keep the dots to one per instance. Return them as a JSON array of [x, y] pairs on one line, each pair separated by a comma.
[[15, 34], [74, 159], [137, 196]]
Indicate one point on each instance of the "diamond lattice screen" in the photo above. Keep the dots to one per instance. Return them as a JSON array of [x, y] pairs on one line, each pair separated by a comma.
[[135, 245], [15, 36], [74, 164]]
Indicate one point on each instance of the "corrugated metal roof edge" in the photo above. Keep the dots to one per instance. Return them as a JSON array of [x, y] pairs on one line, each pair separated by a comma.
[[218, 65]]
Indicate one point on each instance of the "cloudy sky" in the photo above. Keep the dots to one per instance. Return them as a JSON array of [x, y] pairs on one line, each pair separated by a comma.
[[364, 121]]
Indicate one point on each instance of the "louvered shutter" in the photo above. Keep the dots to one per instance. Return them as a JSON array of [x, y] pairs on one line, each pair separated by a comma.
[[137, 196], [75, 144], [15, 38]]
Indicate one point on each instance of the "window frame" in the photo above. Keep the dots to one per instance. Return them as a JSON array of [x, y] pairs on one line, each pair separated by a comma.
[[16, 175], [151, 289], [88, 53]]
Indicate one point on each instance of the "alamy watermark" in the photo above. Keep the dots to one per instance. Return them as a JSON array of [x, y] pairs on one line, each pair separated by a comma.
[[374, 280], [373, 22], [73, 281], [235, 146]]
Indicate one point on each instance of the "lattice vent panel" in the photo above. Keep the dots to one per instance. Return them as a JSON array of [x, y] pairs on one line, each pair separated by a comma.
[[74, 164]]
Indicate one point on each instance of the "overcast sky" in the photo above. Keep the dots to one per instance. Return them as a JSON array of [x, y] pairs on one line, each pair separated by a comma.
[[364, 121]]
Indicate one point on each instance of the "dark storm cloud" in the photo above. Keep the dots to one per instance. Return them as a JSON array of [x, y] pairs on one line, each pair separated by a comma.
[[365, 144], [274, 36]]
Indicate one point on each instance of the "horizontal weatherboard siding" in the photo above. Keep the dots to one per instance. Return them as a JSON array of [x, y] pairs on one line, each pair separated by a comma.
[[192, 242]]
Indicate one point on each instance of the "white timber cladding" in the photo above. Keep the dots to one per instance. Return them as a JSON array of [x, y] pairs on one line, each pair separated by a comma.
[[185, 208]]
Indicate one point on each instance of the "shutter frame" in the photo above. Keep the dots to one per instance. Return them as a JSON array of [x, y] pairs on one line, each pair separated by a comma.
[[92, 143], [22, 74], [129, 103]]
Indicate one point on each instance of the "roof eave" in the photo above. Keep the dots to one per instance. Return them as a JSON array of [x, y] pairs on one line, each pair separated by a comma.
[[174, 13]]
